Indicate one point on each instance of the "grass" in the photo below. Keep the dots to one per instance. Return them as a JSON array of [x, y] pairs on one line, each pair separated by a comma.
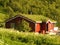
[[37, 17], [3, 17], [13, 37]]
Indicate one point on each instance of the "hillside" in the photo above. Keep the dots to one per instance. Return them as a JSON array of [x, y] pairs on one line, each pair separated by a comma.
[[48, 8]]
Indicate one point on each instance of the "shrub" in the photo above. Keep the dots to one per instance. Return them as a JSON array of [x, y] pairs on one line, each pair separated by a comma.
[[13, 37], [24, 26]]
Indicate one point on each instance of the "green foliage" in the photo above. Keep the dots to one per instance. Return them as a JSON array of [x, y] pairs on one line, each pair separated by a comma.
[[2, 24], [13, 37], [23, 26], [3, 17], [48, 8]]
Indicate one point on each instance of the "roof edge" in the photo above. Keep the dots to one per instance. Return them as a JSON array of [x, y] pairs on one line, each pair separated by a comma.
[[51, 21], [38, 21], [20, 16]]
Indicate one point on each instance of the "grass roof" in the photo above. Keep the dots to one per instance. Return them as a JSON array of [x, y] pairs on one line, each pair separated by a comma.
[[38, 17]]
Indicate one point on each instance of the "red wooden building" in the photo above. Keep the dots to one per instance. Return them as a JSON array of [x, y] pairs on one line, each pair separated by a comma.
[[36, 26]]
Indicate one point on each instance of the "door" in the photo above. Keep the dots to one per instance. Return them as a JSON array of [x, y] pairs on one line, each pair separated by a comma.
[[47, 27]]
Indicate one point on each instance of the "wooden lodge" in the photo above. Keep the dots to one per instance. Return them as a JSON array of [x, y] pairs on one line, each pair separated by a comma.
[[36, 26]]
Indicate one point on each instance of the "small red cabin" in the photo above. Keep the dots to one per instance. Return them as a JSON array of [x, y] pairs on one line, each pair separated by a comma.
[[37, 26]]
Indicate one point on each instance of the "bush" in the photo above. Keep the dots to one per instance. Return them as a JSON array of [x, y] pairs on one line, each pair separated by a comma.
[[2, 24], [12, 37], [24, 26]]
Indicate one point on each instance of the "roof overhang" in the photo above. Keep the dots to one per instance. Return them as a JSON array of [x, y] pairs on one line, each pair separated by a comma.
[[51, 21], [38, 21]]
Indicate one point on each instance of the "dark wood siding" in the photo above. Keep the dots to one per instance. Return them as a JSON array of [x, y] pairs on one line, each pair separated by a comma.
[[43, 27]]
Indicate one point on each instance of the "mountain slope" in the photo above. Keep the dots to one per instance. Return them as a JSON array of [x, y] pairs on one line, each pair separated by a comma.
[[48, 8]]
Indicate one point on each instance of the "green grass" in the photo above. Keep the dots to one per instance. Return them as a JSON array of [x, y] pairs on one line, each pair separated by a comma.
[[3, 17], [37, 17], [13, 37]]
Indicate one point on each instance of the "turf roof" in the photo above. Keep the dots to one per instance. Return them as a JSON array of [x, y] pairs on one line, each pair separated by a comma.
[[38, 17]]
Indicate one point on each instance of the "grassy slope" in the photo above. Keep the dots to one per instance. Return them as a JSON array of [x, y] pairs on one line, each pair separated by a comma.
[[3, 17], [13, 37]]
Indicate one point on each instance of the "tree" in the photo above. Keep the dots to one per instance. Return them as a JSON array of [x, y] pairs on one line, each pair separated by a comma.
[[48, 8]]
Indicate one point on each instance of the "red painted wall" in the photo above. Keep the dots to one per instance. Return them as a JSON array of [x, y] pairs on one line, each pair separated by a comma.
[[50, 26], [37, 27]]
